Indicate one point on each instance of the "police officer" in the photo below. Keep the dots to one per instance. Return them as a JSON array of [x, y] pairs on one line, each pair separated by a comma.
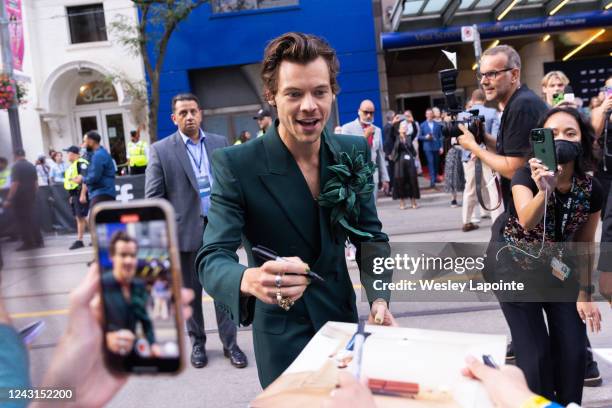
[[137, 153], [77, 192]]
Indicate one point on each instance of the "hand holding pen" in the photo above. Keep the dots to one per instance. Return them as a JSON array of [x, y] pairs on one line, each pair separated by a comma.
[[505, 385], [280, 282], [269, 255]]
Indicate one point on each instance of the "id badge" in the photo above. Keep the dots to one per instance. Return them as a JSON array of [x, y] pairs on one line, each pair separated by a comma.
[[560, 270], [204, 186], [407, 157]]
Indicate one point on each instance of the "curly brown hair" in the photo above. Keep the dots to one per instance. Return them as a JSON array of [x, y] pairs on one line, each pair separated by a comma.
[[298, 48], [120, 236]]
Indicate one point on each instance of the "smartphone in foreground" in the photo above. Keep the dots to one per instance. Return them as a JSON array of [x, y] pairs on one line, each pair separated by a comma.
[[136, 250], [543, 144]]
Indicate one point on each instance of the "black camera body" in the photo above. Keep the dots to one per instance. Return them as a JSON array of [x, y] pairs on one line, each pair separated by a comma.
[[474, 122]]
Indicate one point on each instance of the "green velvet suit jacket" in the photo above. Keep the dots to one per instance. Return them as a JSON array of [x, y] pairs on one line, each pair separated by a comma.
[[260, 197]]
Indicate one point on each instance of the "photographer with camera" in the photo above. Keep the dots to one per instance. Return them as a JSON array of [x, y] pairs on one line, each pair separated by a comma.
[[487, 185], [499, 76]]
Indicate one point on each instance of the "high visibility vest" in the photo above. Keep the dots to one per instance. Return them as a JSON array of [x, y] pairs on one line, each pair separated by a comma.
[[4, 176], [72, 172], [138, 157]]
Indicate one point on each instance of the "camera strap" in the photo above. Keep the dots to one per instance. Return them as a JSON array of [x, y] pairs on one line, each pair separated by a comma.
[[478, 176], [606, 153]]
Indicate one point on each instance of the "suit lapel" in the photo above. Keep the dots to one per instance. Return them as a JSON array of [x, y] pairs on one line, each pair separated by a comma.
[[180, 150], [286, 184], [328, 157]]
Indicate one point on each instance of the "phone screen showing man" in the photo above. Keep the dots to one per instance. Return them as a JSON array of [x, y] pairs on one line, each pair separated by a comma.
[[141, 331]]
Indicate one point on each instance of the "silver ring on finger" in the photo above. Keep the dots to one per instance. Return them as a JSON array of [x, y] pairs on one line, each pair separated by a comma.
[[278, 280], [279, 296]]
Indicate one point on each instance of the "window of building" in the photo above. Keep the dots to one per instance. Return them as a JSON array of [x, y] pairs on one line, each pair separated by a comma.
[[229, 6], [86, 23]]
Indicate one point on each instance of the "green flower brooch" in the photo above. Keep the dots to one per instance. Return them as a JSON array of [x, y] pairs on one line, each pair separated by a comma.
[[344, 191]]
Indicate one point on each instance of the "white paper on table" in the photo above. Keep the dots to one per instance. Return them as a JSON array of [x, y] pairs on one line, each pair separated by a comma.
[[315, 354], [605, 353], [431, 358]]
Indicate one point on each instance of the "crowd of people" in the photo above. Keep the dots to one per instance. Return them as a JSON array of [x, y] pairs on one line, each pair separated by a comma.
[[224, 197]]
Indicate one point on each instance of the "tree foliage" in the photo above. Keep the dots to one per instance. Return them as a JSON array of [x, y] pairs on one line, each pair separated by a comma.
[[149, 38]]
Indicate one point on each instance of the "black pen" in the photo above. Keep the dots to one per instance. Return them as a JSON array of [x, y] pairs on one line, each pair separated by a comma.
[[488, 361], [269, 255]]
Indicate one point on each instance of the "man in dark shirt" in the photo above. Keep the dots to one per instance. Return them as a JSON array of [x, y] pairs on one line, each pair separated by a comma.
[[100, 178], [499, 76], [21, 199]]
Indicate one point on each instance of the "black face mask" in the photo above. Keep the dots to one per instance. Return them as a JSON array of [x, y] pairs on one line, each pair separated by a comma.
[[567, 151], [89, 149]]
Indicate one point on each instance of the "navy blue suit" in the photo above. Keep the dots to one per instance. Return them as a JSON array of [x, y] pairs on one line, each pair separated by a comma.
[[431, 147]]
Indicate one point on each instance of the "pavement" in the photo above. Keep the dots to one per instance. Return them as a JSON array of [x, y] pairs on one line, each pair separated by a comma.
[[36, 285]]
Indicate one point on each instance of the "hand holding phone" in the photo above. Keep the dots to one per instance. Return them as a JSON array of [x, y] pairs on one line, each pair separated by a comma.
[[545, 179], [558, 98], [543, 142], [81, 346]]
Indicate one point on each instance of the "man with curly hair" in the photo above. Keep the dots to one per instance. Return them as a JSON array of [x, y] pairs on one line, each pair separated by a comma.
[[268, 192]]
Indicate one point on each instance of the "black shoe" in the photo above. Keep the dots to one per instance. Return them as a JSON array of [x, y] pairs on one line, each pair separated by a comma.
[[236, 356], [510, 357], [592, 378], [25, 247], [198, 356], [76, 245], [454, 204]]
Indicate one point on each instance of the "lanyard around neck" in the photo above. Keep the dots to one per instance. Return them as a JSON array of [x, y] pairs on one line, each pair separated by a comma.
[[197, 163], [566, 210]]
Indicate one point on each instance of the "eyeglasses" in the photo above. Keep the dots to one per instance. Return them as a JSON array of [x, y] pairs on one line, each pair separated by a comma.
[[491, 74], [368, 112]]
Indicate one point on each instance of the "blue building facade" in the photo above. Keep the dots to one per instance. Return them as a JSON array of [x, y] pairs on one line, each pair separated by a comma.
[[215, 55]]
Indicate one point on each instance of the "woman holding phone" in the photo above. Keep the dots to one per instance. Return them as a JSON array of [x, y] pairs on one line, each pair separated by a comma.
[[548, 208]]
